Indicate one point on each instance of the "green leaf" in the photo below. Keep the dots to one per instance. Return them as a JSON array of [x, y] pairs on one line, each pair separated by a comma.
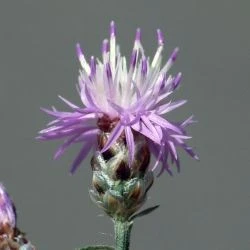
[[144, 212], [97, 248]]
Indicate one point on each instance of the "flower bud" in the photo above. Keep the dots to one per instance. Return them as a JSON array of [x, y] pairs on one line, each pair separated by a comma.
[[120, 185], [11, 238], [112, 203], [7, 211]]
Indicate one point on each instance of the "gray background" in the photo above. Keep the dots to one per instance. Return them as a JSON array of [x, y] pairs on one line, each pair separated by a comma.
[[207, 205]]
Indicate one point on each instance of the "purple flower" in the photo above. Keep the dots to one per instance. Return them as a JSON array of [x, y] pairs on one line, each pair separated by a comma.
[[123, 100], [7, 209]]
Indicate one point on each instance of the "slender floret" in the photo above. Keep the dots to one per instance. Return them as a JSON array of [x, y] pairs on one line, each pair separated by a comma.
[[11, 237], [7, 210], [123, 100]]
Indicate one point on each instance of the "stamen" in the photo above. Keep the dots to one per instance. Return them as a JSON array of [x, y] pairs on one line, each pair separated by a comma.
[[108, 71], [135, 52], [105, 50], [112, 46], [160, 37], [170, 61], [133, 59], [92, 66], [105, 46], [82, 59], [138, 35], [157, 57], [174, 54], [112, 29], [144, 66], [177, 80]]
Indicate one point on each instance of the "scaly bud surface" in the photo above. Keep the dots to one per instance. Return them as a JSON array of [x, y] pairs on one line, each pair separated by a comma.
[[119, 189]]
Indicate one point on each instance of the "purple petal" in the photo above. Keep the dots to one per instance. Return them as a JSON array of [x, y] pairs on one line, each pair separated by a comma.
[[7, 210], [160, 37], [65, 145], [138, 35], [116, 107], [112, 29], [89, 110], [165, 108], [91, 134], [165, 167], [108, 71], [116, 132], [81, 155], [163, 96], [177, 80], [64, 133], [89, 98], [188, 121], [173, 149], [158, 159], [190, 151], [105, 46], [133, 59], [137, 91], [59, 114], [50, 112], [78, 137], [78, 50], [174, 54], [159, 131], [144, 66], [163, 123], [184, 137], [150, 126], [70, 104], [141, 128], [129, 119], [74, 123], [177, 163], [130, 144], [92, 66]]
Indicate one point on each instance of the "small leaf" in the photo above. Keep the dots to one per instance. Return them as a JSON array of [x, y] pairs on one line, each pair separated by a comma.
[[97, 248], [144, 212]]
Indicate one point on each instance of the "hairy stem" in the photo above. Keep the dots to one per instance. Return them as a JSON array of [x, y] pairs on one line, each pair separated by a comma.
[[122, 234]]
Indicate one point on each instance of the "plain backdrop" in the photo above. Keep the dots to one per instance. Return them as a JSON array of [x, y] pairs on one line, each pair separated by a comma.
[[207, 205]]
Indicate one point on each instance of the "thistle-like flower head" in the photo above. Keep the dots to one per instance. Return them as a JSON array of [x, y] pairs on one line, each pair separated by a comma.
[[7, 210], [123, 99]]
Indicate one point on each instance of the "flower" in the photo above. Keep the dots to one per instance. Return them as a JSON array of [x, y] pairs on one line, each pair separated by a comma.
[[123, 101], [7, 210], [10, 235]]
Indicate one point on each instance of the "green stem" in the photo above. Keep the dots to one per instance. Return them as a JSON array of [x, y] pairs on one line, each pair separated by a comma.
[[122, 234]]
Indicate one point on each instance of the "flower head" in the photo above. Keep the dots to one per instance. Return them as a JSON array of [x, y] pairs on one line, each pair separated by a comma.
[[123, 100], [7, 210]]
